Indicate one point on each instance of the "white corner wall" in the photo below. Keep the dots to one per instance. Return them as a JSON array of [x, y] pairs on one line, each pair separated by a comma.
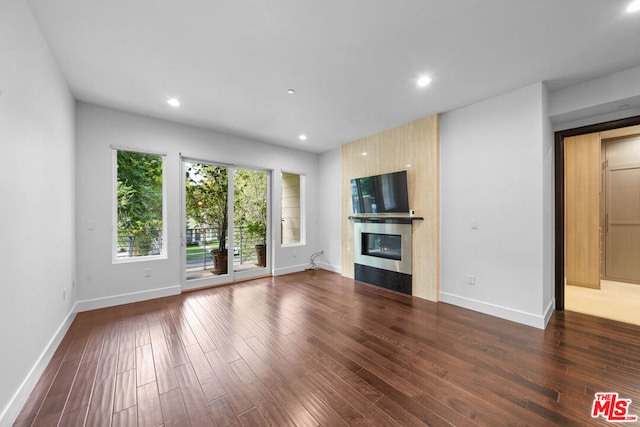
[[329, 197], [102, 283], [548, 210], [37, 215], [495, 158]]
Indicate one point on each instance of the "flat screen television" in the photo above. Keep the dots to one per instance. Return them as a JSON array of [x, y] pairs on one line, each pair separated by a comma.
[[380, 194]]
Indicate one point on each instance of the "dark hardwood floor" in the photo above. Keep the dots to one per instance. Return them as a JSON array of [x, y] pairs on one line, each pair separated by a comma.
[[314, 348]]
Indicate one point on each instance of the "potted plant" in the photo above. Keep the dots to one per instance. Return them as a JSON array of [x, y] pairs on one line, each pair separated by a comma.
[[258, 230], [207, 203]]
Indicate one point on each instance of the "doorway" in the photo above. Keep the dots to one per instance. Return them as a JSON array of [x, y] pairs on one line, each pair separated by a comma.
[[225, 221], [562, 138]]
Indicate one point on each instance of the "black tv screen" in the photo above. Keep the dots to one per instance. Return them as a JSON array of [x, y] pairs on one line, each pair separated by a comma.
[[380, 194]]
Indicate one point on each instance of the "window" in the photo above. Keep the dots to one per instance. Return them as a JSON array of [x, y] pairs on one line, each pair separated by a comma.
[[139, 219], [292, 221]]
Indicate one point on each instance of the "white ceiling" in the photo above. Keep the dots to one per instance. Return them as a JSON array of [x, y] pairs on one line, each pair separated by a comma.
[[353, 63]]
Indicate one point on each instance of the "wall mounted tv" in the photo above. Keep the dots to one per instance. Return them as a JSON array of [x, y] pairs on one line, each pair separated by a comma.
[[380, 194]]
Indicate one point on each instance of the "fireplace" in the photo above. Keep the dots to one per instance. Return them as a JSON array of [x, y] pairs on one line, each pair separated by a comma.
[[388, 246], [382, 252]]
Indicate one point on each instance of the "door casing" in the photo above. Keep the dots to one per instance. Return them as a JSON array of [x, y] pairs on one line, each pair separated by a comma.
[[231, 276], [560, 196]]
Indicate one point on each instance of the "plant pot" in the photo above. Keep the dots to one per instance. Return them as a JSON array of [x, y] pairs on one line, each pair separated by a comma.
[[261, 251], [220, 261]]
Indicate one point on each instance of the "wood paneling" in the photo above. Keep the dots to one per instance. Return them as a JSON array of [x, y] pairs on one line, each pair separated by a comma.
[[582, 210], [316, 348], [415, 144], [620, 132], [621, 222]]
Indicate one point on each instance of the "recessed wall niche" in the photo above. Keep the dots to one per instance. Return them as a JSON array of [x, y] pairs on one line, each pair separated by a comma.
[[414, 147]]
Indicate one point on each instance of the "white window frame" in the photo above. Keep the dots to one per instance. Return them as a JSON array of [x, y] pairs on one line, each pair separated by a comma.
[[303, 209], [114, 205]]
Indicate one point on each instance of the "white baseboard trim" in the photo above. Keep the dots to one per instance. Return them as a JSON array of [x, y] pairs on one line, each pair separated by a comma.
[[330, 267], [298, 268], [114, 300], [17, 401], [529, 319], [289, 270], [549, 311]]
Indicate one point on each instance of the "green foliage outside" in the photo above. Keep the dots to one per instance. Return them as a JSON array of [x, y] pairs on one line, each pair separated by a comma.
[[198, 252], [250, 192], [207, 200], [139, 189]]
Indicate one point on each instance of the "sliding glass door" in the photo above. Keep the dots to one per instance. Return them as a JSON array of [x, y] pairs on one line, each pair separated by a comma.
[[225, 223]]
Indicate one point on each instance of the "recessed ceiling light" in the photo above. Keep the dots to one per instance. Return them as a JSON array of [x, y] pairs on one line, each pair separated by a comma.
[[174, 102], [423, 81], [291, 91], [634, 6], [302, 137], [364, 153]]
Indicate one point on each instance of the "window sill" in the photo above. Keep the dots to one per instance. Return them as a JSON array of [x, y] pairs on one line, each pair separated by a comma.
[[292, 245], [127, 260]]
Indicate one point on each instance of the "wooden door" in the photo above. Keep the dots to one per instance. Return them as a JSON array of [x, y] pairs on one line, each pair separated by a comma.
[[582, 210], [622, 209]]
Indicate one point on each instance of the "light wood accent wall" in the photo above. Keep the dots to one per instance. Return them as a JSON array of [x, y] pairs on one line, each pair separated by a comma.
[[416, 144], [582, 210]]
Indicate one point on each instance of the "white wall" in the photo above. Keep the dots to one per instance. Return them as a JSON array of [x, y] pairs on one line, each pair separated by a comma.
[[611, 97], [103, 283], [494, 155], [548, 209], [330, 200], [36, 220]]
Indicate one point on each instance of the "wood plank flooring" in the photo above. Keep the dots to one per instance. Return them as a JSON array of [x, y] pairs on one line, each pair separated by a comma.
[[314, 348]]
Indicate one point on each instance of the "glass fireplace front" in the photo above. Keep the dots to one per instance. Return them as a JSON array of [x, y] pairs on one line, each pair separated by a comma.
[[382, 245]]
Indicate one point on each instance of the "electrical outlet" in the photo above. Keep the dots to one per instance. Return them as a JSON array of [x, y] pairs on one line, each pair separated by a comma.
[[147, 272], [471, 279]]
